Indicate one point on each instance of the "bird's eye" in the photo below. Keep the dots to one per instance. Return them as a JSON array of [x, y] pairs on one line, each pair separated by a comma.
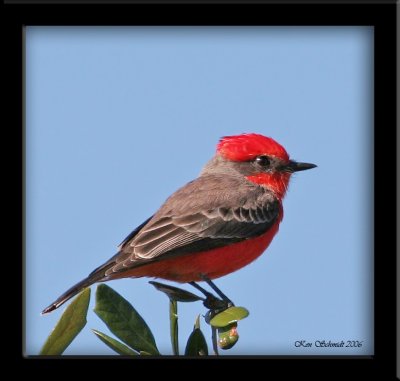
[[264, 161]]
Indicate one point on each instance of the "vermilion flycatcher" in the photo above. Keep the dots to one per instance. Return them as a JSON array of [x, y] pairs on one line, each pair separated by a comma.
[[212, 226]]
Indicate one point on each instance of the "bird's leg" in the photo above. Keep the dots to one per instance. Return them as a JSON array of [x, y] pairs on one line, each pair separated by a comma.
[[211, 302], [217, 290], [201, 289]]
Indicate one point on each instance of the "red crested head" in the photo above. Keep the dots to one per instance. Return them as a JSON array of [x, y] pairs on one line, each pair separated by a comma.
[[246, 147], [258, 158]]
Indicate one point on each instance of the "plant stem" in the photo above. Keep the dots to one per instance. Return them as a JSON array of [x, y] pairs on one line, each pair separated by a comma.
[[173, 318]]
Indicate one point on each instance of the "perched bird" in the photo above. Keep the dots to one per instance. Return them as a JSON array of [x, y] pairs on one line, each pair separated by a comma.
[[212, 226]]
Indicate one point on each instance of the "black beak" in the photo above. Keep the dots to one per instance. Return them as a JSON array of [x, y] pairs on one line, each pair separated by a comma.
[[294, 166]]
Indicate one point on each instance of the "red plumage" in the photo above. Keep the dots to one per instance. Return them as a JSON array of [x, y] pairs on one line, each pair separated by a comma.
[[247, 146]]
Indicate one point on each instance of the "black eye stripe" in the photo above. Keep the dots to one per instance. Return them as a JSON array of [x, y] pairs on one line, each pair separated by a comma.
[[263, 160]]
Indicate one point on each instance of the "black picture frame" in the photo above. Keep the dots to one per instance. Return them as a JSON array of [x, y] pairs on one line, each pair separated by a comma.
[[382, 17]]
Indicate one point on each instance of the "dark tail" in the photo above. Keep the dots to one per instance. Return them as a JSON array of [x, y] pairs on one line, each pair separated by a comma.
[[96, 275], [70, 294]]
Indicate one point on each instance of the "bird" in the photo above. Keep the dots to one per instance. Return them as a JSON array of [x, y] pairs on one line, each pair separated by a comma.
[[212, 226]]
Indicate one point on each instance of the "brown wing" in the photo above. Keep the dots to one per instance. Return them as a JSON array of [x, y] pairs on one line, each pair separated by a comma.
[[207, 213]]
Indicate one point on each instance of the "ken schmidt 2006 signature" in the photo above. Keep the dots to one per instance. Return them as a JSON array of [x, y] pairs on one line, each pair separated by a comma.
[[328, 344]]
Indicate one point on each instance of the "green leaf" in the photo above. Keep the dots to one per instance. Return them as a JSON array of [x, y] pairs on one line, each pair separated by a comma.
[[196, 344], [70, 324], [173, 319], [229, 316], [115, 345], [175, 293], [123, 320]]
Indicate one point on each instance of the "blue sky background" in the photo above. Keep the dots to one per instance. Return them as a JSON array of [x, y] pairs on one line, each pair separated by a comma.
[[118, 118]]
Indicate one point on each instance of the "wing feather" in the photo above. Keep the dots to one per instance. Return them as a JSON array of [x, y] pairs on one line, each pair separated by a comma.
[[189, 222]]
